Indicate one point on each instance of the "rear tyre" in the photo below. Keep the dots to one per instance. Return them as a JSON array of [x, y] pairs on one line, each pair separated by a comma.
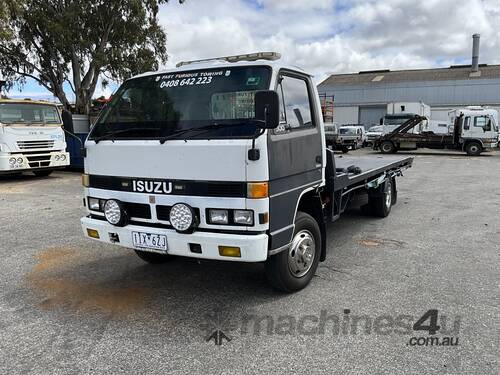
[[292, 269], [153, 258], [42, 173], [387, 147], [382, 200], [473, 148]]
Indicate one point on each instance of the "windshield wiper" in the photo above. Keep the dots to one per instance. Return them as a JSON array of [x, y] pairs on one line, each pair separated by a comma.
[[121, 131], [199, 130]]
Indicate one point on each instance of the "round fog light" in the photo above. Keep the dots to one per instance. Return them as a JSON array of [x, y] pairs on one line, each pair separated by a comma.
[[114, 213], [182, 217]]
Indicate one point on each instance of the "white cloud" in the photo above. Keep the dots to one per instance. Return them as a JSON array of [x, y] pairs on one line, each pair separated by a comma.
[[325, 36], [334, 36]]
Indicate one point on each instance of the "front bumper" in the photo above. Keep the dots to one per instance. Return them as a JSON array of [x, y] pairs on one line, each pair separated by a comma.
[[42, 160], [254, 248]]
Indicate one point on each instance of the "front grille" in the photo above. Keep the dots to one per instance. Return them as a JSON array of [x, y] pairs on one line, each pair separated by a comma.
[[37, 161], [38, 158], [30, 145], [138, 210], [163, 212], [224, 189]]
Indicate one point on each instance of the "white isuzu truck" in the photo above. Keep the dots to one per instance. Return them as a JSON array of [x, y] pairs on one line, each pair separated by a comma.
[[225, 159], [31, 137]]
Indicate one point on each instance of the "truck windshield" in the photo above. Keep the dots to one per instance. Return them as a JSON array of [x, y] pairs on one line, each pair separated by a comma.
[[28, 114], [164, 105], [348, 131]]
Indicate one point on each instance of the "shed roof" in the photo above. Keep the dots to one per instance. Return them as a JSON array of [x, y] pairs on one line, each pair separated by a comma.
[[459, 72]]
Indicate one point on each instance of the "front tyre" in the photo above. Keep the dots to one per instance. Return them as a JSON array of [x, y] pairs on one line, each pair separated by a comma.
[[153, 258], [473, 148], [292, 269]]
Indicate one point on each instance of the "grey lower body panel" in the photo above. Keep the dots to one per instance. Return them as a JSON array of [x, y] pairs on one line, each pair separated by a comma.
[[284, 195]]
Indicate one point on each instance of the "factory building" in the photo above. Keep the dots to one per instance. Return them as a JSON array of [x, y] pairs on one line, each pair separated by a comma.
[[362, 98]]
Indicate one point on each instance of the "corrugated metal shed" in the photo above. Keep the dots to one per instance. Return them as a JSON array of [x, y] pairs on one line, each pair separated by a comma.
[[361, 97], [386, 76]]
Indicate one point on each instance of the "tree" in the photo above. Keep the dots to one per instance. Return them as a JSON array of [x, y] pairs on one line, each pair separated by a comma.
[[74, 42]]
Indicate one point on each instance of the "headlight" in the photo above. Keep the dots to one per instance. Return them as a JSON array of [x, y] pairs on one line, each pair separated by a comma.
[[114, 213], [244, 217], [57, 157], [182, 217], [218, 217], [12, 161], [94, 204], [20, 160], [63, 157]]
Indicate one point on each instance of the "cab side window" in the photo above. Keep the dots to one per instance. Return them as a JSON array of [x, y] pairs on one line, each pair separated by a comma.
[[482, 122], [467, 123], [295, 107]]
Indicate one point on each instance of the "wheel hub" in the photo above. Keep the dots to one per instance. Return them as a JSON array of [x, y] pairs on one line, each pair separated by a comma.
[[301, 253]]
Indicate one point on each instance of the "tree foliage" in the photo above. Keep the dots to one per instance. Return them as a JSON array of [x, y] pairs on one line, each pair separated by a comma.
[[74, 42]]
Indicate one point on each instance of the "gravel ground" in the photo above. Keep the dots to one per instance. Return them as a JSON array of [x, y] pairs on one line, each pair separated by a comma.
[[71, 305]]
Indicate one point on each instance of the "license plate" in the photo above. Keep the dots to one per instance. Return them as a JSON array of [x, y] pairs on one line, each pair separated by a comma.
[[149, 241]]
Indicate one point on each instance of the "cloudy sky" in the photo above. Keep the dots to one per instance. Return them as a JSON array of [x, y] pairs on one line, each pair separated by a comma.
[[330, 36]]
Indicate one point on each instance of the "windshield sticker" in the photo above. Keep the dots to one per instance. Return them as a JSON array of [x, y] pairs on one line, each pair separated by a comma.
[[253, 81], [190, 78]]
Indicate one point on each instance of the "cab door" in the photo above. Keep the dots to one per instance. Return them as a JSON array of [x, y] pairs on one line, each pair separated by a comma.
[[482, 127], [295, 151]]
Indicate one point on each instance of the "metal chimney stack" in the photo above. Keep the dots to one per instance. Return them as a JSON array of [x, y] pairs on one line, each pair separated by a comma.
[[475, 52]]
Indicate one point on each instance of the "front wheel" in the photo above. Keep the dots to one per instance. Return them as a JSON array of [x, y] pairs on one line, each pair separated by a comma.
[[42, 173], [473, 148], [153, 258], [292, 269], [345, 149]]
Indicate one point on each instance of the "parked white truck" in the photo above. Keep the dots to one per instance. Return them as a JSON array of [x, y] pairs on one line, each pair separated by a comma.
[[225, 159], [31, 137], [475, 130]]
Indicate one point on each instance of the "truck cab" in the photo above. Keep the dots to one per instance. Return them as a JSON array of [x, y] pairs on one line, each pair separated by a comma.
[[224, 159], [31, 137], [478, 129]]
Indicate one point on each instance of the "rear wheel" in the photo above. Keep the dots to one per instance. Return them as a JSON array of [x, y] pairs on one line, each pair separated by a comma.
[[387, 147], [153, 258], [473, 148], [345, 149], [381, 201], [292, 269], [42, 173]]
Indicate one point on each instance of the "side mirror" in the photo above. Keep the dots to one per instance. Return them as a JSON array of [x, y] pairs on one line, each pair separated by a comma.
[[67, 118], [267, 107]]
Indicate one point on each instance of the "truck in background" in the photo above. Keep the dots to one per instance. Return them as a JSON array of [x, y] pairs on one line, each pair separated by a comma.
[[225, 159], [31, 137], [475, 130], [400, 112]]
